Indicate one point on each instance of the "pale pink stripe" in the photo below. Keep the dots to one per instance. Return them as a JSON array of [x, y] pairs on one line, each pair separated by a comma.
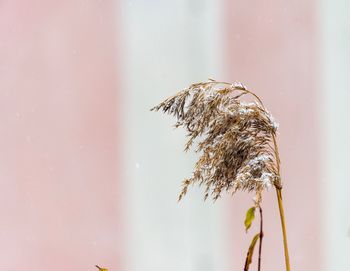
[[271, 47], [58, 136]]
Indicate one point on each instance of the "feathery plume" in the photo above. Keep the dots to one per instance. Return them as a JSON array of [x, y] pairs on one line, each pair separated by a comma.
[[234, 137]]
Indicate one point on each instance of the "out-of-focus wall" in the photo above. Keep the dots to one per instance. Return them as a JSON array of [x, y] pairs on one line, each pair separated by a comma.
[[335, 58], [273, 48], [89, 176], [59, 202], [168, 45]]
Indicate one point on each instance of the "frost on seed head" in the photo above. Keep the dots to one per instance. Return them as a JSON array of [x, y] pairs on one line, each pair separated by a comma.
[[233, 137]]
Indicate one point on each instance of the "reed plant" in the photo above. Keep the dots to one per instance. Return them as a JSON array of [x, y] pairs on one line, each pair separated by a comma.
[[235, 137]]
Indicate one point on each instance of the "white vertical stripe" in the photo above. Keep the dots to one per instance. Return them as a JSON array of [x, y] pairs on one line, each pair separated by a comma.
[[169, 44], [336, 52]]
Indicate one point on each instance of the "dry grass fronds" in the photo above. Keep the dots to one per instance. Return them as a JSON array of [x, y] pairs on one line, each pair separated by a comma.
[[235, 138]]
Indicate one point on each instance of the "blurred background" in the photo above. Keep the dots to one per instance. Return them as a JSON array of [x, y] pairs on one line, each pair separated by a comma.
[[90, 176]]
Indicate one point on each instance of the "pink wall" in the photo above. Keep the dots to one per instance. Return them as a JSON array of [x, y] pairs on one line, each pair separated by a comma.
[[59, 136], [60, 193], [271, 47]]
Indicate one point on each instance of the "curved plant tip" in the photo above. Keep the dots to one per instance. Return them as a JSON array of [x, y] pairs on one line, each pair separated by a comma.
[[101, 268]]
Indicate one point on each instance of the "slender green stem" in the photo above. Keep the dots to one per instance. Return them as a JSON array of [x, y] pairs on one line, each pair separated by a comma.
[[283, 223]]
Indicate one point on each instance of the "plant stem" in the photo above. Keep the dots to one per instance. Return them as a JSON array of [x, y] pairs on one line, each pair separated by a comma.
[[283, 223], [261, 237], [278, 187]]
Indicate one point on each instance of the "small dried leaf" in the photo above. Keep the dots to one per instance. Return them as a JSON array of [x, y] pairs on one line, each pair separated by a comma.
[[249, 217], [101, 269], [249, 258]]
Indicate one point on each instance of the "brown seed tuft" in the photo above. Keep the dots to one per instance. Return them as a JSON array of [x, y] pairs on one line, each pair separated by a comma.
[[235, 138]]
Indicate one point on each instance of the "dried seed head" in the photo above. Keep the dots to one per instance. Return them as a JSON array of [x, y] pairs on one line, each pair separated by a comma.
[[235, 138]]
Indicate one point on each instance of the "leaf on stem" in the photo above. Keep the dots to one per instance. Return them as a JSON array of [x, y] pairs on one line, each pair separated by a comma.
[[248, 260], [249, 217]]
